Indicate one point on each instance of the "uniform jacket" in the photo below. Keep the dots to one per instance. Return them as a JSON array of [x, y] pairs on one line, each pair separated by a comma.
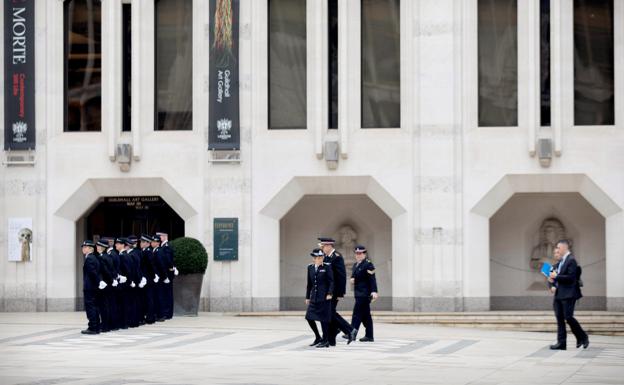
[[159, 263], [339, 271], [106, 267], [147, 265], [567, 280], [320, 282], [91, 273], [364, 276], [135, 258], [126, 267], [168, 251], [114, 255]]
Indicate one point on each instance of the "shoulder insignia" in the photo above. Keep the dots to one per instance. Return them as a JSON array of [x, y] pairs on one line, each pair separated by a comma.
[[371, 272], [310, 264]]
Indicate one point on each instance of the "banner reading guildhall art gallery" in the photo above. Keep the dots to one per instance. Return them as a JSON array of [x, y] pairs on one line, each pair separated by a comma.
[[224, 122], [19, 74]]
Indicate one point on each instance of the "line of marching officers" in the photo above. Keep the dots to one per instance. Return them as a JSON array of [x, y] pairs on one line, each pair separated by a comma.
[[128, 282]]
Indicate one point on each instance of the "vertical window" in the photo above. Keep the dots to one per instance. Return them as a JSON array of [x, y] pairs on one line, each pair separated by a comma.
[[332, 34], [498, 62], [287, 64], [545, 62], [83, 65], [381, 64], [174, 64], [126, 46], [594, 99]]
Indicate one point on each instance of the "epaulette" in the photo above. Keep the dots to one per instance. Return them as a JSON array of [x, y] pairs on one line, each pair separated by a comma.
[[310, 264], [326, 263]]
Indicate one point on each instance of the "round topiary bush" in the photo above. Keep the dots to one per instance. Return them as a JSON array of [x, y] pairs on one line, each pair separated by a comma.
[[189, 255]]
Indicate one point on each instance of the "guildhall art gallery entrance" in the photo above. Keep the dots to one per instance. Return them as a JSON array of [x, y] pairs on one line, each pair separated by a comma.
[[123, 216]]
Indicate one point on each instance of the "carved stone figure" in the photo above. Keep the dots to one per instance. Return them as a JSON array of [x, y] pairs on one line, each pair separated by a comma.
[[551, 230], [346, 242], [24, 237]]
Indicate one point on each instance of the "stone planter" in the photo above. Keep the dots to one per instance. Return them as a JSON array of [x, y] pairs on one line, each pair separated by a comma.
[[186, 292]]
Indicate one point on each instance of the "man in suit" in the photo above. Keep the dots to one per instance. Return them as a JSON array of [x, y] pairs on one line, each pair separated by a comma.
[[336, 261], [565, 276], [364, 290], [92, 283]]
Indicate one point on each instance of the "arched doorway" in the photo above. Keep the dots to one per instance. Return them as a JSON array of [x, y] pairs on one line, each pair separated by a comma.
[[351, 220]]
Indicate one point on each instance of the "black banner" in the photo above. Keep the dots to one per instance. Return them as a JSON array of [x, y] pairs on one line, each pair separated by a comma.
[[19, 74], [224, 122]]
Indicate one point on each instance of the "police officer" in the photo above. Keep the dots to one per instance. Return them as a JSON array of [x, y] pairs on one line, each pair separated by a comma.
[[160, 267], [364, 290], [92, 283], [139, 279], [105, 296], [336, 261], [149, 292], [124, 308], [172, 272], [319, 292], [113, 256]]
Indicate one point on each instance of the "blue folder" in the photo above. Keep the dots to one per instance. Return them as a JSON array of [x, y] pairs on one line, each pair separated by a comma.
[[546, 267]]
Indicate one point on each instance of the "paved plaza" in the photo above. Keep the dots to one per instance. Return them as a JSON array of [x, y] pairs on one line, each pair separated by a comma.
[[47, 348]]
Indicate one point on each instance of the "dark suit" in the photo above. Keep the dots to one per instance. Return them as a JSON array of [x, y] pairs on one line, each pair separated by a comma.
[[117, 304], [126, 307], [105, 296], [159, 264], [168, 292], [149, 292], [567, 293], [320, 285], [91, 279], [135, 260], [340, 287], [365, 284]]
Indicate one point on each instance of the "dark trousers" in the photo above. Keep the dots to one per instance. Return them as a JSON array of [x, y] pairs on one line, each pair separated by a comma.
[[148, 303], [91, 308], [324, 329], [122, 317], [337, 323], [564, 311], [362, 315], [168, 299], [160, 299], [130, 306], [103, 304]]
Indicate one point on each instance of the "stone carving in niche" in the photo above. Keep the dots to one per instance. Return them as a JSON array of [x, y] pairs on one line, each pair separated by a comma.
[[550, 231], [346, 241]]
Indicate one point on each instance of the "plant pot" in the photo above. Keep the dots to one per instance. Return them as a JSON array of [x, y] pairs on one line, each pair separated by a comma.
[[186, 292]]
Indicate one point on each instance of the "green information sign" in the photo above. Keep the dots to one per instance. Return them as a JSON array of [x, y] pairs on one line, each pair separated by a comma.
[[225, 239]]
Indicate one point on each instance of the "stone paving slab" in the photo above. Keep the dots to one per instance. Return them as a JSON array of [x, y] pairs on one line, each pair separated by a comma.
[[47, 349]]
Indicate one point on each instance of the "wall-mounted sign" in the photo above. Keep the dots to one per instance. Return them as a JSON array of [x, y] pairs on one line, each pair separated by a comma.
[[224, 121], [19, 74], [20, 237], [225, 239]]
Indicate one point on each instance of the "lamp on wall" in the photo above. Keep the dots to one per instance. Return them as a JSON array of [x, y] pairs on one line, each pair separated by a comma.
[[124, 156], [544, 151], [330, 153]]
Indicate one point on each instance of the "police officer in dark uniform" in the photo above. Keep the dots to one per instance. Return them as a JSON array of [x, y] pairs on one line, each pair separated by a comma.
[[105, 296], [139, 279], [364, 290], [336, 261], [124, 307], [148, 306], [113, 256], [92, 283], [319, 291], [172, 272], [160, 267]]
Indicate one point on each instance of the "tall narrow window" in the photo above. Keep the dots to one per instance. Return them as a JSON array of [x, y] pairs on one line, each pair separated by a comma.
[[381, 64], [287, 64], [498, 62], [126, 46], [545, 62], [332, 33], [594, 98], [174, 65], [83, 65]]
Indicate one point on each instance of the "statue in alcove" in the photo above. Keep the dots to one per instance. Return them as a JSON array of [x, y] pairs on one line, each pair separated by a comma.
[[550, 232], [347, 239]]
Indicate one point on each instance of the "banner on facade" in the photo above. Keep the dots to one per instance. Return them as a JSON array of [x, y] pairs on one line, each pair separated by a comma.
[[19, 74], [224, 122], [225, 239]]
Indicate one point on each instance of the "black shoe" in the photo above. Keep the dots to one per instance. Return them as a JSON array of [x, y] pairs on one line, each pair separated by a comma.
[[345, 336], [584, 343], [352, 336], [161, 319], [89, 331], [316, 342], [332, 343], [323, 344], [367, 339], [104, 330], [558, 346]]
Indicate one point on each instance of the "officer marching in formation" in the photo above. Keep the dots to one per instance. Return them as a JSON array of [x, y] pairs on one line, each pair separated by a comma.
[[319, 291], [364, 291], [125, 286], [335, 259]]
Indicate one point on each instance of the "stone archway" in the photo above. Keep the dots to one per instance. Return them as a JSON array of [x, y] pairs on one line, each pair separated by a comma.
[[477, 267], [265, 270]]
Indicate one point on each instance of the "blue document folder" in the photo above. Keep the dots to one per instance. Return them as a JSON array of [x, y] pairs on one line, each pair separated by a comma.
[[546, 267]]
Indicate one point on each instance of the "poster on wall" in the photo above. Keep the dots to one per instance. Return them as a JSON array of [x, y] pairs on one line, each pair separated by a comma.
[[19, 74], [225, 239], [20, 237], [224, 122]]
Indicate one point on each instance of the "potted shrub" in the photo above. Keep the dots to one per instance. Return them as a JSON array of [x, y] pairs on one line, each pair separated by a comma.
[[190, 258]]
